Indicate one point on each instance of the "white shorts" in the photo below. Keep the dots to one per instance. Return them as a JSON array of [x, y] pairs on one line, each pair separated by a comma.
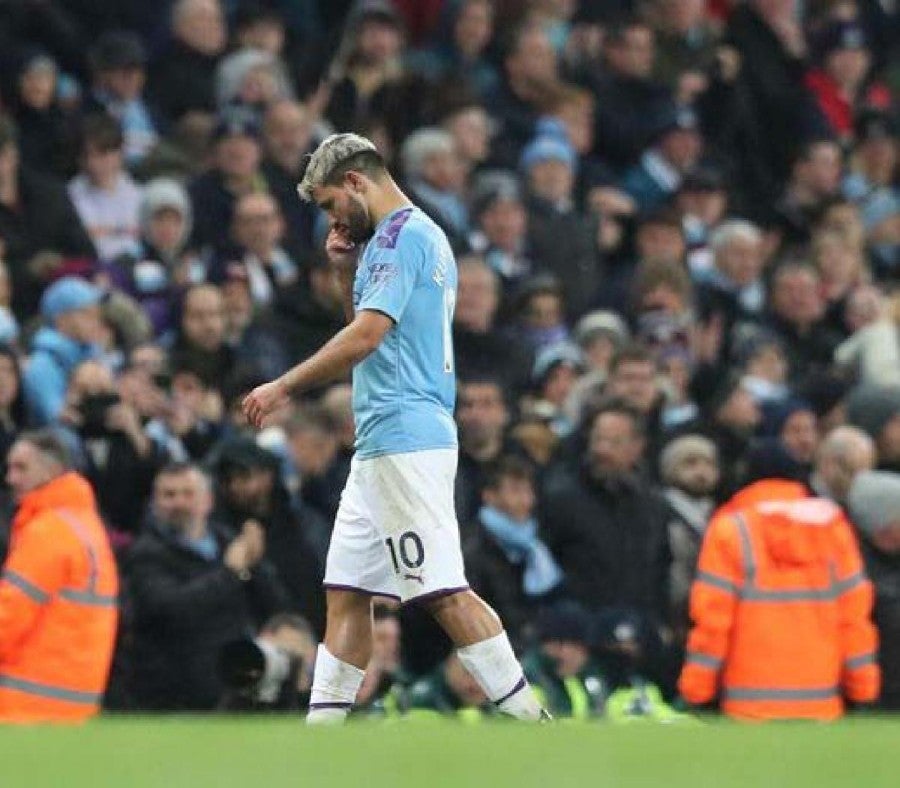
[[396, 533]]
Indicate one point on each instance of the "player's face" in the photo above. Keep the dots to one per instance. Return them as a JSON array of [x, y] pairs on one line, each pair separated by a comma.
[[346, 211]]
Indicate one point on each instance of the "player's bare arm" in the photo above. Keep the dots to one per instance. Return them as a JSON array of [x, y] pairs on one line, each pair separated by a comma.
[[332, 362]]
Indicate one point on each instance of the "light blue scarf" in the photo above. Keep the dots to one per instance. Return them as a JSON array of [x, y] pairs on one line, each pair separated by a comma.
[[519, 541]]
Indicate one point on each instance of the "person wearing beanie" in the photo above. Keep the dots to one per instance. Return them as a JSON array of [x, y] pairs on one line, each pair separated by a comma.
[[876, 411], [70, 308], [559, 235], [874, 508], [689, 468]]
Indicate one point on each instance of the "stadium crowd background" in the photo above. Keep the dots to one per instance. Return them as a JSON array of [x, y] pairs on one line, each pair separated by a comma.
[[677, 224]]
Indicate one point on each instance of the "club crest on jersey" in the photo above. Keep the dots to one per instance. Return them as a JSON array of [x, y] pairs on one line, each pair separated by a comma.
[[387, 239]]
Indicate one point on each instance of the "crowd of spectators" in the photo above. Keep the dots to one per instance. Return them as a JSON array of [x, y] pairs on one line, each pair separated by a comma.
[[677, 225]]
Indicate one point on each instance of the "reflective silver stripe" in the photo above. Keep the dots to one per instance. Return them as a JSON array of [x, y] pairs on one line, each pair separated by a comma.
[[860, 661], [25, 586], [849, 582], [747, 548], [766, 693], [715, 581], [85, 540], [88, 598], [704, 660], [49, 690], [791, 595]]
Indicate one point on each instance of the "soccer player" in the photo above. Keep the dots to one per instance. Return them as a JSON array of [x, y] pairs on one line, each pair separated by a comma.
[[396, 533]]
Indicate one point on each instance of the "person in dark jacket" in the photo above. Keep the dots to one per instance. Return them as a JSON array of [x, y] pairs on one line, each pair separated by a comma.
[[874, 507], [506, 562], [36, 215], [194, 587], [560, 238], [182, 78], [605, 525], [248, 487]]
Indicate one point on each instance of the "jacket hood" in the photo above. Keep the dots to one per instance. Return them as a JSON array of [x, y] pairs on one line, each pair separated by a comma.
[[166, 193], [804, 532], [60, 346], [69, 491]]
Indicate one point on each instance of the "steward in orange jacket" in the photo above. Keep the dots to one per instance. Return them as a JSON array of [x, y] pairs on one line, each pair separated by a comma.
[[781, 610], [58, 592]]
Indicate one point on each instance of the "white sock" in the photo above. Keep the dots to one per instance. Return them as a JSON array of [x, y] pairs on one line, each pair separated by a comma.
[[494, 666], [335, 684]]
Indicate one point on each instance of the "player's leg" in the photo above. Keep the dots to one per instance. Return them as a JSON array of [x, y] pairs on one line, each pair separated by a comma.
[[356, 569], [485, 651], [341, 660], [414, 506]]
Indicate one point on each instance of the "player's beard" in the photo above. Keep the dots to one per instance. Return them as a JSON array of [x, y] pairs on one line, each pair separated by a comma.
[[359, 225]]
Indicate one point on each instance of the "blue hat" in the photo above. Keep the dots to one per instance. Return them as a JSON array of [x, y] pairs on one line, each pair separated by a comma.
[[550, 357], [548, 149], [236, 121], [68, 294]]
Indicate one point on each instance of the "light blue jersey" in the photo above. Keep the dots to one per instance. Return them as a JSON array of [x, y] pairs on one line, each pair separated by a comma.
[[404, 392]]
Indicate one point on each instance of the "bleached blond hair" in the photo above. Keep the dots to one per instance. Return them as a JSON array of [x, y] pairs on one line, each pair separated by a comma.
[[331, 153]]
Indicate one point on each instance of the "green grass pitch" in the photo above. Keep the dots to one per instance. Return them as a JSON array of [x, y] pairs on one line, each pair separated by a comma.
[[270, 753]]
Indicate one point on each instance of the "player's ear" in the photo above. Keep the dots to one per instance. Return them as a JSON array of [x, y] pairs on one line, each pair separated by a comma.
[[356, 182]]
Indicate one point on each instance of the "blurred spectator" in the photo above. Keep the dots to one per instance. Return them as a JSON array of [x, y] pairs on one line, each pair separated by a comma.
[[530, 71], [482, 416], [560, 239], [733, 288], [844, 453], [201, 336], [449, 691], [258, 229], [104, 195], [111, 445], [313, 443], [235, 172], [251, 78], [462, 53], [841, 268], [471, 128], [631, 106], [36, 216], [633, 378], [776, 570], [873, 186], [685, 45], [815, 177], [873, 351], [194, 587], [567, 679], [191, 420], [675, 152], [182, 78], [308, 314], [541, 313], [47, 130], [118, 68], [12, 401], [480, 348], [763, 361], [70, 308], [288, 135], [874, 506], [557, 369], [605, 525], [435, 178], [501, 226], [689, 468], [58, 592], [162, 264], [702, 201], [876, 411], [841, 83], [778, 112], [797, 311], [507, 564], [248, 487], [789, 444]]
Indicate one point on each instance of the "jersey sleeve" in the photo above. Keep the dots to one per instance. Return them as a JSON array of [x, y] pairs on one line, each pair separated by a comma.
[[391, 275]]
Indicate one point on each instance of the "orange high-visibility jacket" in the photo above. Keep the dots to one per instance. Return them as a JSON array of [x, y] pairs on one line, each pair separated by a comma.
[[58, 606], [781, 610]]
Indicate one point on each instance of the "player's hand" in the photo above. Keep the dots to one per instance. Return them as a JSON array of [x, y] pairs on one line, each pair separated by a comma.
[[265, 400], [341, 251]]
